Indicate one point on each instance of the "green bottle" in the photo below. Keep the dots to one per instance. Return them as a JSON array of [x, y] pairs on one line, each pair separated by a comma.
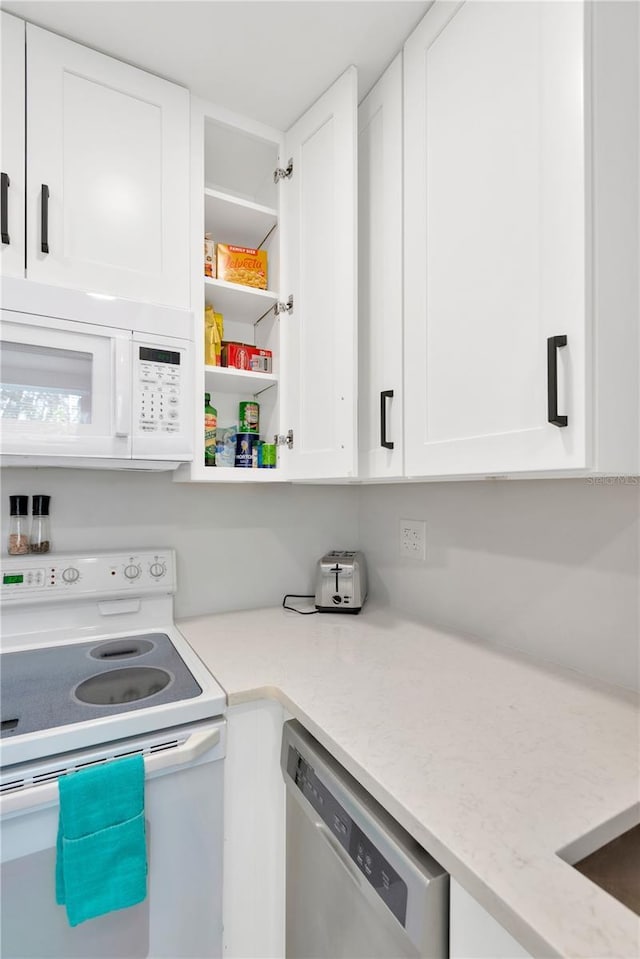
[[210, 426]]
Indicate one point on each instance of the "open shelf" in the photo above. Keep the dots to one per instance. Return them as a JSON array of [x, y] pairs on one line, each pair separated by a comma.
[[223, 379], [240, 303], [231, 219]]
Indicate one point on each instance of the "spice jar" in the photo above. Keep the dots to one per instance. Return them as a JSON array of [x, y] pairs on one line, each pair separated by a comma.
[[18, 525], [40, 539]]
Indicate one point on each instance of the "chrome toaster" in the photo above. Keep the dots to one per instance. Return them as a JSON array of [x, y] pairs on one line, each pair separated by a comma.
[[341, 582]]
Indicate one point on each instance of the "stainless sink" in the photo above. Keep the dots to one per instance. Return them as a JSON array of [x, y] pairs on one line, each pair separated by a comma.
[[615, 867]]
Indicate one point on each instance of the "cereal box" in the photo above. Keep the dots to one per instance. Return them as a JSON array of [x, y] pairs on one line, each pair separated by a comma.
[[209, 256], [241, 264]]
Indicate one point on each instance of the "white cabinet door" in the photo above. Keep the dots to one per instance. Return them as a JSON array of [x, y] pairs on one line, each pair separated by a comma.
[[380, 277], [474, 934], [12, 146], [495, 244], [318, 217], [110, 144]]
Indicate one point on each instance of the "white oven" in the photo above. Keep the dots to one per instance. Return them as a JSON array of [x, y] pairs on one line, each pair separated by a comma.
[[92, 670], [182, 913], [86, 377]]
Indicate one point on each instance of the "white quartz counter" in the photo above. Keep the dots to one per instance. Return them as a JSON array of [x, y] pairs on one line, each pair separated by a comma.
[[492, 760]]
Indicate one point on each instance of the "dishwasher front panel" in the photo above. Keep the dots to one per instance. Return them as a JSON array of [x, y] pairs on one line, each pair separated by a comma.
[[357, 884], [327, 913]]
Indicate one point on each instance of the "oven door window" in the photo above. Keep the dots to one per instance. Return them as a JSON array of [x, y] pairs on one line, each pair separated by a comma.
[[45, 384]]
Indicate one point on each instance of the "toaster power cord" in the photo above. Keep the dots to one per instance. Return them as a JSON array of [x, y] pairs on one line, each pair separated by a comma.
[[303, 612]]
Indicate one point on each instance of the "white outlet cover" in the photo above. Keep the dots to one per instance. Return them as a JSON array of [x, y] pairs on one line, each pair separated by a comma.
[[413, 539]]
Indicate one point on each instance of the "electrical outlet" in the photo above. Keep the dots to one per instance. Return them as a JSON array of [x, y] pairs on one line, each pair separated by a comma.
[[412, 538]]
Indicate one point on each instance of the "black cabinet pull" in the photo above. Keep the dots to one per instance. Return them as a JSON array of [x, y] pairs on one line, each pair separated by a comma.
[[5, 183], [44, 218], [553, 344], [384, 396]]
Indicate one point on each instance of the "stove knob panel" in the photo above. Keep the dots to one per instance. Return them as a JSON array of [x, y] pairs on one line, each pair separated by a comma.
[[132, 571], [70, 574], [157, 570]]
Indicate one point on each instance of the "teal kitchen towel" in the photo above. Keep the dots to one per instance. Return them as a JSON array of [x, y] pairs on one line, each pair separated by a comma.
[[101, 861]]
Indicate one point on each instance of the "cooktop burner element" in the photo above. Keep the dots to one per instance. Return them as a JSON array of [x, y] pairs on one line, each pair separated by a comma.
[[42, 688]]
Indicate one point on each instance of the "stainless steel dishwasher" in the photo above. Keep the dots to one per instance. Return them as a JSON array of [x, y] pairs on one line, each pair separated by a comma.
[[358, 886]]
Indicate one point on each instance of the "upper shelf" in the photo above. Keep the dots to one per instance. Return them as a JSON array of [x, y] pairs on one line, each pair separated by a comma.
[[231, 219]]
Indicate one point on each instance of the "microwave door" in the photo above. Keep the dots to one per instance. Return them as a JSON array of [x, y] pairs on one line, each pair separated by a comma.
[[65, 388]]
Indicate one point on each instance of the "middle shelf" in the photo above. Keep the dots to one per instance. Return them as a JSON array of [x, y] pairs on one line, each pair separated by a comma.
[[223, 379]]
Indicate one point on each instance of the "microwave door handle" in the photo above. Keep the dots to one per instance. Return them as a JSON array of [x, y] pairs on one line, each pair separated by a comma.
[[122, 386]]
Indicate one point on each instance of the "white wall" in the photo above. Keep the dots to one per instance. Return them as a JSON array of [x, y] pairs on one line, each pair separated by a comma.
[[549, 567], [236, 546]]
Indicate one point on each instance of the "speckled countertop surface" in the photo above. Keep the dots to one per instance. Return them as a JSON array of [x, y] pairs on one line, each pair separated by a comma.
[[492, 760]]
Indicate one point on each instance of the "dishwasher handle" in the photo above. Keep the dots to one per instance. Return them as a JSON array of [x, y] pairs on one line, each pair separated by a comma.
[[346, 861]]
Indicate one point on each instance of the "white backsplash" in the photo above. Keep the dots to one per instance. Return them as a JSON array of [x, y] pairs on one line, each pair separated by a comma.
[[550, 567], [237, 546]]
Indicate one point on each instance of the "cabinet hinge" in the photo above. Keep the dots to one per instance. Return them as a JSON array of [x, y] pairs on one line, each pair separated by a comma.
[[284, 307], [287, 440], [281, 174]]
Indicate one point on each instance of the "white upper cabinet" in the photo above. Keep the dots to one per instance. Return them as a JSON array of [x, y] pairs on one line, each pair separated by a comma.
[[380, 292], [107, 174], [12, 146], [319, 269], [495, 237], [512, 200]]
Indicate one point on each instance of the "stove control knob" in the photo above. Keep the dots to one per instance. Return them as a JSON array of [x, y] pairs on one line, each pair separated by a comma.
[[157, 570], [71, 574], [132, 571]]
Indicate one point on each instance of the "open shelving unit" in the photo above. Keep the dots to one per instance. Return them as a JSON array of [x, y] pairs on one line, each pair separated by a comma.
[[235, 199]]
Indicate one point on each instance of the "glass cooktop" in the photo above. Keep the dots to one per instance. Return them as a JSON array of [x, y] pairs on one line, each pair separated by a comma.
[[44, 688]]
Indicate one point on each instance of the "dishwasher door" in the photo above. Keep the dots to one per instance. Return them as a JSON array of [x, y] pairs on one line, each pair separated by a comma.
[[358, 886]]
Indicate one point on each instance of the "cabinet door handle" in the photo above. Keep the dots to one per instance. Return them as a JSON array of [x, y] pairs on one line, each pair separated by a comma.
[[5, 183], [44, 218], [384, 396], [553, 344]]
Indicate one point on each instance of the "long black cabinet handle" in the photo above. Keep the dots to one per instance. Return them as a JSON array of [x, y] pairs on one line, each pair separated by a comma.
[[5, 183], [44, 218], [384, 396], [553, 344]]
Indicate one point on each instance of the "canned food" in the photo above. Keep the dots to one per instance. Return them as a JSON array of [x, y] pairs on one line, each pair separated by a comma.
[[249, 417], [244, 449], [267, 456]]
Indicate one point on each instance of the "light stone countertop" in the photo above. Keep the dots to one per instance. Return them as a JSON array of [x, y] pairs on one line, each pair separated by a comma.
[[492, 760]]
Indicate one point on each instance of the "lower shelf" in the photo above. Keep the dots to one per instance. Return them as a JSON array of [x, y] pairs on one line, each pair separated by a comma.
[[215, 474]]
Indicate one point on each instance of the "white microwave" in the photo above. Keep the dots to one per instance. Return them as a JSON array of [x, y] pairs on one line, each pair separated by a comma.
[[92, 380]]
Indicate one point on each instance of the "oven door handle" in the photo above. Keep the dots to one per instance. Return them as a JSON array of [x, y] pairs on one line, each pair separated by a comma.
[[198, 743]]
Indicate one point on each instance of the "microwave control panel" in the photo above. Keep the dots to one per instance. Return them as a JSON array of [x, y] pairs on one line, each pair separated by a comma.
[[159, 397]]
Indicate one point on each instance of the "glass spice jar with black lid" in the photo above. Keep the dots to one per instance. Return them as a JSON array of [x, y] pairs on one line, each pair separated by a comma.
[[18, 526], [40, 539]]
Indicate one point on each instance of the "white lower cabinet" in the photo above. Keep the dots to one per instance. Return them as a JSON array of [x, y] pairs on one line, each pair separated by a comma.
[[107, 174], [380, 421], [292, 194], [521, 239], [474, 934]]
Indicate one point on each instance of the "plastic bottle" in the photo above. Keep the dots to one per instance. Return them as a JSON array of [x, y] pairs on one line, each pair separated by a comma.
[[18, 526], [40, 539], [210, 426]]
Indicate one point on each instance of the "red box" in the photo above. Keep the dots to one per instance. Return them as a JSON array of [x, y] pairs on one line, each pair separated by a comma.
[[243, 356]]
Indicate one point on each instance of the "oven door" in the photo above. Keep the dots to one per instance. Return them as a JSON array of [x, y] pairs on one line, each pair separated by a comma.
[[182, 914], [65, 388]]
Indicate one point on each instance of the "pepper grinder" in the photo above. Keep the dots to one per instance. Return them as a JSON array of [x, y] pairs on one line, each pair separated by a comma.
[[18, 535], [40, 540]]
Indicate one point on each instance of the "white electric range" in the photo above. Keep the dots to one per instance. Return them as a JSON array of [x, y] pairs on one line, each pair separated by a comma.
[[93, 668]]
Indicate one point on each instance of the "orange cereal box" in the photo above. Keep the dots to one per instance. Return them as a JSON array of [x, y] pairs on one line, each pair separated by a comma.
[[241, 264]]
